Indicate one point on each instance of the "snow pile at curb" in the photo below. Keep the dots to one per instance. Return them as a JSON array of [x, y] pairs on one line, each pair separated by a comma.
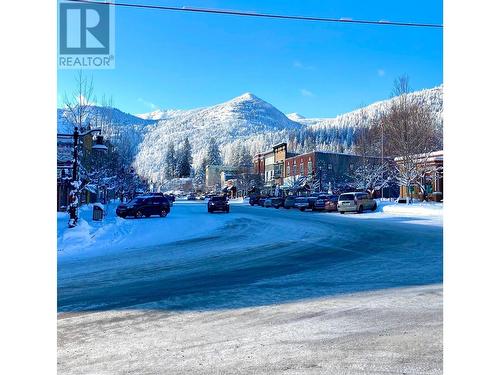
[[78, 236], [238, 201], [419, 209]]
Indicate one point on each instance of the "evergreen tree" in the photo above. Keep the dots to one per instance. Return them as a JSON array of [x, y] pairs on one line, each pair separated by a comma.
[[184, 159], [245, 158], [170, 162], [234, 155], [199, 176], [213, 153]]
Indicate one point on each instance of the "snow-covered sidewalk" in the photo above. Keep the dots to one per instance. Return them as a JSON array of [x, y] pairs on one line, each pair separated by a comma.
[[415, 209], [421, 213], [114, 233]]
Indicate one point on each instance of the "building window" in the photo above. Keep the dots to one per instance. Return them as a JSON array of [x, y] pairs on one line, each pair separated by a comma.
[[301, 168], [309, 167], [288, 170]]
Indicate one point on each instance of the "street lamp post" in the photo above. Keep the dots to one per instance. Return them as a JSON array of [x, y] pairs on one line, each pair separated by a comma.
[[75, 183], [383, 161]]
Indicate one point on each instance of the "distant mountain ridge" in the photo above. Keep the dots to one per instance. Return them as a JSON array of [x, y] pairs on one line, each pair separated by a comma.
[[245, 120]]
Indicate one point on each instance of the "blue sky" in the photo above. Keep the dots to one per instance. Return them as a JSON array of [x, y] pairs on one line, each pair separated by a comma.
[[181, 60]]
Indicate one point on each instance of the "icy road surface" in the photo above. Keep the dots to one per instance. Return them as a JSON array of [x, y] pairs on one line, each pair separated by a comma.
[[256, 291], [256, 256]]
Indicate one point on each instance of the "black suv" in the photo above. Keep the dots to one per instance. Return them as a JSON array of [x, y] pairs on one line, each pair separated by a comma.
[[219, 203], [145, 205]]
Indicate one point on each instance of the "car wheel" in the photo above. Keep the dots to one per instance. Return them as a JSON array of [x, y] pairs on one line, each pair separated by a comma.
[[342, 212], [302, 209], [251, 204], [138, 214], [163, 213], [360, 209], [374, 207], [147, 215]]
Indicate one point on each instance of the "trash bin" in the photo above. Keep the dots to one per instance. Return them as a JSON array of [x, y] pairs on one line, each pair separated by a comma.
[[97, 213]]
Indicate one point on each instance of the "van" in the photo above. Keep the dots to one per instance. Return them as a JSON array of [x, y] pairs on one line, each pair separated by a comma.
[[355, 202]]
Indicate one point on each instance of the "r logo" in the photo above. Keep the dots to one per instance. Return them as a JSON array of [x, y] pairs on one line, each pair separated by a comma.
[[84, 29]]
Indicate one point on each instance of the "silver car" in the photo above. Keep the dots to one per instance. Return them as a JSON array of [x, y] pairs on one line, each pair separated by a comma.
[[356, 202]]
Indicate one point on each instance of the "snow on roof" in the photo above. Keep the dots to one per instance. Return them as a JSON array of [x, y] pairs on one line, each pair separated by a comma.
[[431, 156], [91, 187]]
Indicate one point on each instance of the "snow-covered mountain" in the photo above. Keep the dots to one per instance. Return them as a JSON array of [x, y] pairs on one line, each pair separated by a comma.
[[162, 114], [295, 116], [432, 97], [117, 117], [245, 119]]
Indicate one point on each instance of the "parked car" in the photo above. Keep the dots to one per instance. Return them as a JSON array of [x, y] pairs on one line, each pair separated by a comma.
[[277, 202], [145, 205], [312, 200], [254, 199], [356, 202], [262, 200], [331, 203], [268, 202], [218, 203], [304, 203], [289, 201], [319, 203], [322, 201]]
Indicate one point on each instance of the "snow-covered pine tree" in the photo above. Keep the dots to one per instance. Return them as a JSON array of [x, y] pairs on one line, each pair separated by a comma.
[[169, 162], [184, 159], [199, 176], [213, 153]]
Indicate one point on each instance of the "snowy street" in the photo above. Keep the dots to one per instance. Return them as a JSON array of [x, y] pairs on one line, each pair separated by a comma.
[[251, 256], [146, 279]]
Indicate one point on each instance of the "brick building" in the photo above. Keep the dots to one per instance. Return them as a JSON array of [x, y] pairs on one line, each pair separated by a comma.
[[328, 168], [270, 165], [430, 168]]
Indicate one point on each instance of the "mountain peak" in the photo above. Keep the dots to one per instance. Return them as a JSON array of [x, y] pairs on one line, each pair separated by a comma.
[[246, 96], [295, 116]]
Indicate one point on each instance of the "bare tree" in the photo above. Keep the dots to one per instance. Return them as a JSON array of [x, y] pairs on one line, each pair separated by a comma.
[[410, 131], [79, 106], [372, 177]]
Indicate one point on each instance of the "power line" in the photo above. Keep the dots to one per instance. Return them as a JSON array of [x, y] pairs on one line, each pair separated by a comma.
[[261, 15]]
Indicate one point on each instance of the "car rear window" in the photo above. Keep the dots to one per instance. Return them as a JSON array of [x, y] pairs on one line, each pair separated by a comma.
[[137, 200], [301, 200], [346, 197], [218, 199]]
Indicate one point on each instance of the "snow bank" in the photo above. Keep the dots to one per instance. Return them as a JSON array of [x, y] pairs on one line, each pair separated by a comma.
[[79, 236], [116, 234], [418, 209]]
